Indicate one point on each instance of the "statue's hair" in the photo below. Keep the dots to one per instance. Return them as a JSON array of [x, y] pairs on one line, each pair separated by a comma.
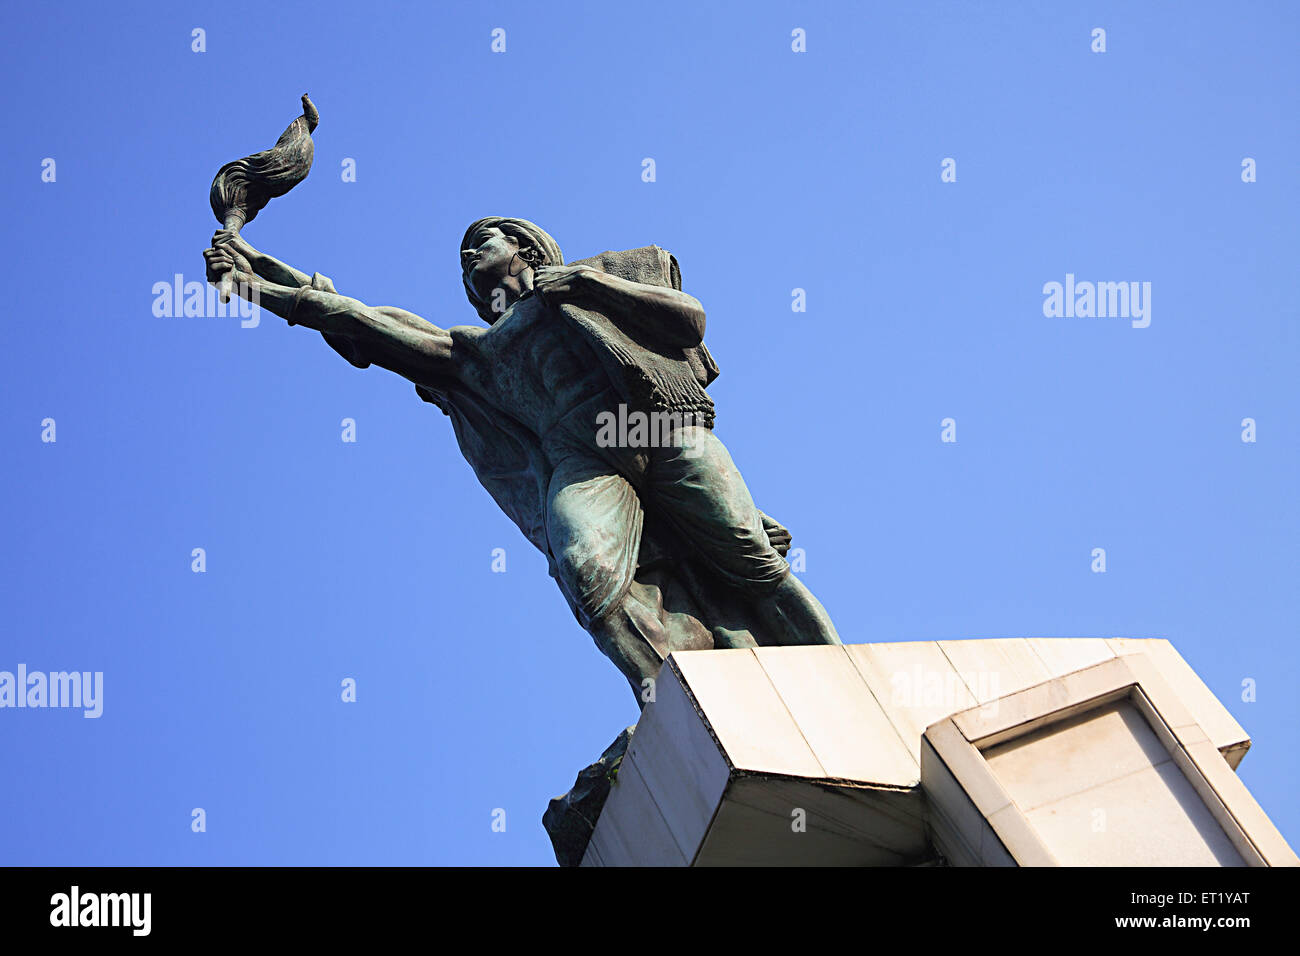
[[536, 246]]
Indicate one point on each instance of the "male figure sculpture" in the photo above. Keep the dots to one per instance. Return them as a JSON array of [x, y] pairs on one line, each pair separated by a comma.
[[654, 540]]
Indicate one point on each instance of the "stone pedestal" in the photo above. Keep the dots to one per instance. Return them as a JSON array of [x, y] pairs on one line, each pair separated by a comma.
[[980, 752]]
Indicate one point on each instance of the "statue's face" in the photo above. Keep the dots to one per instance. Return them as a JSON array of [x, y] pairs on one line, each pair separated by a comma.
[[486, 260]]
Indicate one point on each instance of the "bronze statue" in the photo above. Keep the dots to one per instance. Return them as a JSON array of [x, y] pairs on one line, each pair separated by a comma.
[[649, 529]]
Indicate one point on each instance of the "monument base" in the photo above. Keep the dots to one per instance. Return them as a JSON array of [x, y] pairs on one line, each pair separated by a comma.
[[978, 752]]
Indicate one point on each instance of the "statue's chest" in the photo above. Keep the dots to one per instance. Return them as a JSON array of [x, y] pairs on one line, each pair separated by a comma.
[[533, 339]]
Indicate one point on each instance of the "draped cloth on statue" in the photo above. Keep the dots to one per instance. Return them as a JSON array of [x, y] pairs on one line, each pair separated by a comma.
[[674, 592], [650, 375]]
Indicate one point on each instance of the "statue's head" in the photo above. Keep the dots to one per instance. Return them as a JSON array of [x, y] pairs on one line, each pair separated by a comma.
[[501, 253]]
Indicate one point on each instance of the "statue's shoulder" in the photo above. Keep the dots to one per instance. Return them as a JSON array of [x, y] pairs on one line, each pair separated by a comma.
[[467, 341]]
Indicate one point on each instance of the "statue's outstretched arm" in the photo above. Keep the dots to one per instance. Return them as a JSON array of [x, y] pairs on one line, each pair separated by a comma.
[[391, 338]]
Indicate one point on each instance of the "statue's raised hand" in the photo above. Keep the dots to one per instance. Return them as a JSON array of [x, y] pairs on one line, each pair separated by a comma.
[[222, 259], [235, 242]]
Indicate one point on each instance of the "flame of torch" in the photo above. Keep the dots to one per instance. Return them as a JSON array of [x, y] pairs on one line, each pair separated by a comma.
[[243, 187]]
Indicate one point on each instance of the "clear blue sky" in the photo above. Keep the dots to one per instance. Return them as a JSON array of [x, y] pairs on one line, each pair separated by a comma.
[[775, 170]]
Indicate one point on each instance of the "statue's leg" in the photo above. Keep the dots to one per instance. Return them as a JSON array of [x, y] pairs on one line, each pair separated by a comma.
[[593, 524], [794, 611], [699, 490], [627, 638]]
